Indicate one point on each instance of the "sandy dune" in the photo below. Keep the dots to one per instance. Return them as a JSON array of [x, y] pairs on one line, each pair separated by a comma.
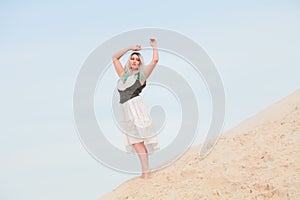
[[258, 159]]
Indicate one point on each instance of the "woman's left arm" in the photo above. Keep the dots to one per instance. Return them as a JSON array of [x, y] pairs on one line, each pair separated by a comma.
[[149, 68]]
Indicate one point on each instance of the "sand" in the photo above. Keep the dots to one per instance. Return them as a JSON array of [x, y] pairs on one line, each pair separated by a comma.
[[257, 159]]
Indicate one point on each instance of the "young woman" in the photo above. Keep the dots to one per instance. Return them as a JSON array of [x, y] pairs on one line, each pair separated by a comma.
[[135, 120]]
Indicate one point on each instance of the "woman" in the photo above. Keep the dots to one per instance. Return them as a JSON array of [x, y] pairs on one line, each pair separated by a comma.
[[135, 120]]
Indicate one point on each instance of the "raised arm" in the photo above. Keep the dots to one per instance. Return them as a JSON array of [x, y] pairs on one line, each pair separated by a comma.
[[149, 68], [116, 59]]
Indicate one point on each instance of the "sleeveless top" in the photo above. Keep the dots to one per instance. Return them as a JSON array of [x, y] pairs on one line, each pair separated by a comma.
[[130, 89]]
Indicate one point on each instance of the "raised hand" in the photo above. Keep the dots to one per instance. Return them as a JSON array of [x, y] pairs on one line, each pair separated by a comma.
[[153, 42], [136, 48]]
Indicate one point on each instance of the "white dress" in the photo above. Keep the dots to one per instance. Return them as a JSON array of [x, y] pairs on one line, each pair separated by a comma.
[[135, 120]]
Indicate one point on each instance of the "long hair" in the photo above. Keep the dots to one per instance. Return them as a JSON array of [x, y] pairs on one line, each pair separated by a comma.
[[139, 74]]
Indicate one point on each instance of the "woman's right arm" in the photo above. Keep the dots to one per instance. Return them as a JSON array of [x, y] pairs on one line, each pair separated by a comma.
[[116, 59]]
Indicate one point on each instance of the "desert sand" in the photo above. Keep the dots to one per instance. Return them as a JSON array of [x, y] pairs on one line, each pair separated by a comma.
[[257, 159]]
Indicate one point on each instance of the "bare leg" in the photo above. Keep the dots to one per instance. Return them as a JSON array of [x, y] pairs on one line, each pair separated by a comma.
[[142, 152]]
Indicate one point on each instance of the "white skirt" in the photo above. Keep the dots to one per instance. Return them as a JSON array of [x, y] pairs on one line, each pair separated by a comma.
[[136, 125]]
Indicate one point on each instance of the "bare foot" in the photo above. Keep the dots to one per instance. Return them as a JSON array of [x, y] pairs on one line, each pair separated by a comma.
[[146, 174]]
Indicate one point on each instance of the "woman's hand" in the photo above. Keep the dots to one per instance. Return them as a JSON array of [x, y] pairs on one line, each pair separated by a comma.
[[153, 42], [136, 48]]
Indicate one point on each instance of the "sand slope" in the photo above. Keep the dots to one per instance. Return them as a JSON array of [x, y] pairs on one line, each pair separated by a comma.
[[258, 159]]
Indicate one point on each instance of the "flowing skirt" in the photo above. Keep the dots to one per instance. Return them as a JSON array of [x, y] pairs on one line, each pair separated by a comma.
[[136, 125]]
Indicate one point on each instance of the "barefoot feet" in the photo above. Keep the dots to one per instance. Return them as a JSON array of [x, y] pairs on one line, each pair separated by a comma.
[[146, 174]]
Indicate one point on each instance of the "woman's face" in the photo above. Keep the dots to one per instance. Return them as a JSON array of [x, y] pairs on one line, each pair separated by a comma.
[[135, 61]]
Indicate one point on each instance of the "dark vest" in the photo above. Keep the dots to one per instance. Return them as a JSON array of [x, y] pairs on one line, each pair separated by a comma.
[[131, 91]]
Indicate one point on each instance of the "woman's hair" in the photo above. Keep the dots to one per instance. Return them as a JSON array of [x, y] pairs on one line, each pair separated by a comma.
[[140, 70]]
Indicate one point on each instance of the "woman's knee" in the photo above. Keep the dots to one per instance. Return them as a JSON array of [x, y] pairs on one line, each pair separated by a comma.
[[140, 147]]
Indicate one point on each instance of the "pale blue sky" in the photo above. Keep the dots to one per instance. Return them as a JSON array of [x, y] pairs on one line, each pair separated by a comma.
[[255, 46]]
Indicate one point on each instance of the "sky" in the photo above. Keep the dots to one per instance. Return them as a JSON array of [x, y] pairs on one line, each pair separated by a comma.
[[254, 45]]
